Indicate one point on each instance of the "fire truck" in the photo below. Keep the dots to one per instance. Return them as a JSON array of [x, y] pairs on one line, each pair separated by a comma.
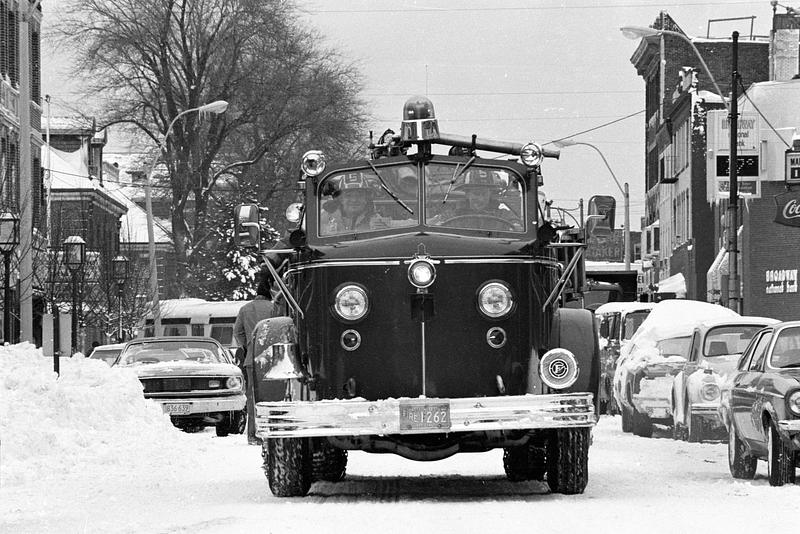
[[425, 299]]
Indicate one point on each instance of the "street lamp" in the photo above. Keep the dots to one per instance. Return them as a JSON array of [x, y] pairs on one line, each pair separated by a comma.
[[9, 239], [216, 107], [119, 268], [636, 32], [74, 258], [623, 189]]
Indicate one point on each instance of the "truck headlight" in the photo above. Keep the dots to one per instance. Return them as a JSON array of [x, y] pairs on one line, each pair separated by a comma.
[[709, 391], [793, 402], [421, 273], [558, 368], [233, 382], [495, 299], [351, 303]]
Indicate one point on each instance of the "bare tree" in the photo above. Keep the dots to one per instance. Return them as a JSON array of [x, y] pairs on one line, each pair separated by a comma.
[[152, 59]]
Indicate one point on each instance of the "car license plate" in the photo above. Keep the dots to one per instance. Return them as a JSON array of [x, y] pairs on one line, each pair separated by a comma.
[[176, 408], [416, 415]]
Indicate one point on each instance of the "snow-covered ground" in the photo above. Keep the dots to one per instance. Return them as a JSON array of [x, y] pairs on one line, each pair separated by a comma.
[[86, 453]]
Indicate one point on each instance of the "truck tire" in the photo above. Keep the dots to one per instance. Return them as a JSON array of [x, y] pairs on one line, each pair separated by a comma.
[[568, 460], [526, 462], [741, 464], [289, 468], [780, 459], [642, 426], [328, 462]]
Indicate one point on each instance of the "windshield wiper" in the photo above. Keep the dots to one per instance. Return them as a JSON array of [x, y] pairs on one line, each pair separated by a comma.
[[389, 191], [790, 366], [456, 176]]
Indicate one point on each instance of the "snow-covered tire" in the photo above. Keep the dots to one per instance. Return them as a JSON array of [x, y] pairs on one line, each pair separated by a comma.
[[526, 462], [780, 459], [328, 462], [694, 432], [568, 460], [642, 426], [223, 427], [627, 420], [741, 464], [289, 468]]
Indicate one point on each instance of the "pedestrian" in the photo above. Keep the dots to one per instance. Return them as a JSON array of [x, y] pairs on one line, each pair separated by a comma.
[[261, 307]]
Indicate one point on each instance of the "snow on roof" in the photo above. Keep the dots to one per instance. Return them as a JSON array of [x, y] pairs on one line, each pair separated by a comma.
[[90, 416], [134, 222], [615, 307]]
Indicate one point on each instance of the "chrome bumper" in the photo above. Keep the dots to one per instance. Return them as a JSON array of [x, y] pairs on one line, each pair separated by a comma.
[[359, 417], [706, 409], [231, 403], [790, 426]]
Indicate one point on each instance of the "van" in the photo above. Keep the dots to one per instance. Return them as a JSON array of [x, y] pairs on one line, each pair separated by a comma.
[[196, 317]]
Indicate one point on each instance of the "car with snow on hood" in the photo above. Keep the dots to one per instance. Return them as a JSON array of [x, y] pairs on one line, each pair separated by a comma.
[[431, 320], [714, 352], [764, 405], [192, 378], [647, 364]]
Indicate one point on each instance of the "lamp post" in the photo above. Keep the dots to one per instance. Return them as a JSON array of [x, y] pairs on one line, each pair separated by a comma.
[[623, 189], [74, 258], [119, 267], [9, 239], [216, 107], [636, 32]]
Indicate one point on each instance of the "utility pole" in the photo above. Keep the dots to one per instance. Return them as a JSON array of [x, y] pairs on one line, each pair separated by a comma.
[[734, 287]]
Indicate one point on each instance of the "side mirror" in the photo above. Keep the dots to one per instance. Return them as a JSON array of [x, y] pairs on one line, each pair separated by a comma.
[[601, 210], [246, 227]]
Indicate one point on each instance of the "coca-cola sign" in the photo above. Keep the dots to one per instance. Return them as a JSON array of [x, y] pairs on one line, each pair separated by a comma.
[[787, 208]]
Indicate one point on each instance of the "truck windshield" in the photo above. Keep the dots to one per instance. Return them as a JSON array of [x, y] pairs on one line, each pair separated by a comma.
[[477, 197]]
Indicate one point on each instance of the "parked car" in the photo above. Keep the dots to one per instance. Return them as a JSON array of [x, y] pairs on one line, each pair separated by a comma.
[[193, 378], [107, 353], [715, 348], [764, 405], [618, 322], [658, 350]]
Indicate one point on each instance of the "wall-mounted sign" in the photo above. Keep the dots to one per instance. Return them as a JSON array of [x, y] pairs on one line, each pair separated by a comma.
[[748, 133], [787, 208], [747, 165], [792, 167], [781, 281], [747, 188]]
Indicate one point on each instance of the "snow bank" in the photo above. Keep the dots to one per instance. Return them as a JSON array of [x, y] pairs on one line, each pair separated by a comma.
[[90, 417]]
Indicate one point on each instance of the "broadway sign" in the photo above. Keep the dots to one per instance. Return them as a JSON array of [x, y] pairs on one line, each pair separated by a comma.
[[787, 208]]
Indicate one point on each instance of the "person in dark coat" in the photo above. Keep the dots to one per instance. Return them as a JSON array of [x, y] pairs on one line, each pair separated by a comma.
[[261, 307]]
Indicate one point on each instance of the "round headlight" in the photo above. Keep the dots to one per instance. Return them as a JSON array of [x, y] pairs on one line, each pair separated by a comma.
[[421, 273], [294, 212], [709, 391], [495, 299], [558, 368], [313, 163], [531, 155], [351, 303], [793, 402], [233, 382]]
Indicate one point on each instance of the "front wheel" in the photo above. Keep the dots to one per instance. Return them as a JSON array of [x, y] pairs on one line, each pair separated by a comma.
[[289, 466], [780, 459], [741, 464], [568, 460]]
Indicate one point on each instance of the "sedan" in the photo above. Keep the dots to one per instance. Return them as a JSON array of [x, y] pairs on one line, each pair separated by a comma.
[[107, 353], [192, 378], [764, 405]]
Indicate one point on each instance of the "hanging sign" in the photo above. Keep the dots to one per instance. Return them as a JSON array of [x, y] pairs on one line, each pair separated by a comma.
[[787, 208], [792, 167]]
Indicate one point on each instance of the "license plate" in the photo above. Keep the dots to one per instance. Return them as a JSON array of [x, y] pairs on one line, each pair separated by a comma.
[[176, 408], [415, 415]]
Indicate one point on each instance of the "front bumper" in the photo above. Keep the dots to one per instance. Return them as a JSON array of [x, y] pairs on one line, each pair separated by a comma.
[[790, 426], [359, 417], [195, 406], [706, 409], [654, 407]]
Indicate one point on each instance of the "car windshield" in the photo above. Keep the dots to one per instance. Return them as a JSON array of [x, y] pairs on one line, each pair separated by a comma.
[[107, 355], [786, 352], [633, 320], [169, 351], [674, 346], [726, 340], [454, 195]]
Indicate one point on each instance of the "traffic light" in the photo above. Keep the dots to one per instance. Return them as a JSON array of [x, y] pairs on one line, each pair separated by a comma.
[[246, 228]]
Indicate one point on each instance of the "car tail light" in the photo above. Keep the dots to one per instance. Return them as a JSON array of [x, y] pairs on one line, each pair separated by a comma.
[[793, 402], [709, 391], [495, 299], [558, 368], [351, 303]]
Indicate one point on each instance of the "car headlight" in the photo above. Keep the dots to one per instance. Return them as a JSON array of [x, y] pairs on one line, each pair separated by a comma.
[[709, 391], [233, 382], [558, 368], [351, 303], [793, 402], [495, 299]]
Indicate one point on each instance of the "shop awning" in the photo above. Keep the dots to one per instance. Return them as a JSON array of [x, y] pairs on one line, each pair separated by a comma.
[[718, 268], [673, 284]]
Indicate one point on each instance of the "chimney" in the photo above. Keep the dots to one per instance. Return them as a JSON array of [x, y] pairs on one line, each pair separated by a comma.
[[784, 51]]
